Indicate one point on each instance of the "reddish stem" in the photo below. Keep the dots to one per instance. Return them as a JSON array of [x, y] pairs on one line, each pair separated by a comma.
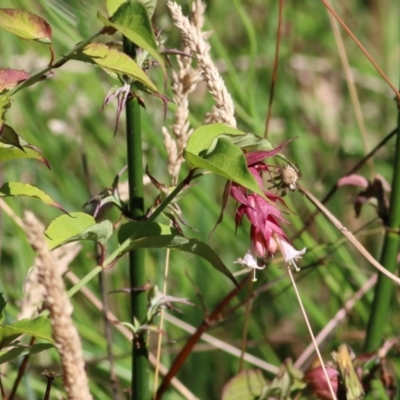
[[363, 49], [214, 317], [275, 70]]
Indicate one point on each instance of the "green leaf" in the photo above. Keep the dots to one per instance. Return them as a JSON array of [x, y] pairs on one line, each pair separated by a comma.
[[13, 147], [38, 327], [246, 385], [99, 233], [287, 381], [113, 5], [24, 189], [228, 161], [150, 6], [280, 387], [349, 377], [10, 78], [3, 304], [251, 142], [202, 138], [132, 20], [23, 350], [128, 230], [66, 227], [25, 25], [8, 136], [210, 148], [113, 60], [157, 236]]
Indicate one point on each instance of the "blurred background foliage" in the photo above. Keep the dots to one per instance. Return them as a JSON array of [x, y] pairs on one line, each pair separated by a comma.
[[62, 116]]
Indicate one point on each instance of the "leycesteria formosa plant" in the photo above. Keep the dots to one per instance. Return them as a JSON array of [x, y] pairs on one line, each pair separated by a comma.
[[244, 171], [266, 235], [217, 148]]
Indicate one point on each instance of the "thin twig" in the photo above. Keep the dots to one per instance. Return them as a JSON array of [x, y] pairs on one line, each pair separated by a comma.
[[160, 325], [249, 302], [226, 347], [275, 69], [350, 237], [128, 334], [303, 311], [21, 371], [333, 189], [108, 333], [362, 48], [352, 87], [188, 347], [325, 333]]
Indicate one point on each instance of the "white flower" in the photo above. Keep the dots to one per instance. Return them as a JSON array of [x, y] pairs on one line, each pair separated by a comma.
[[250, 261], [289, 253]]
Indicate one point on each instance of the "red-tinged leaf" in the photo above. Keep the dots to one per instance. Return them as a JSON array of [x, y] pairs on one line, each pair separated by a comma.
[[10, 78], [25, 25], [24, 189], [113, 60], [355, 180], [256, 156]]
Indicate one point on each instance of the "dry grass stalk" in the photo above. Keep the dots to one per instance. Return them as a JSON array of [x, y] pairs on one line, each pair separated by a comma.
[[183, 83], [194, 39], [34, 291], [65, 335]]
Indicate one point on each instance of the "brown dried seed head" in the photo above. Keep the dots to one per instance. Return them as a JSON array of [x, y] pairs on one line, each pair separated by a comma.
[[289, 177]]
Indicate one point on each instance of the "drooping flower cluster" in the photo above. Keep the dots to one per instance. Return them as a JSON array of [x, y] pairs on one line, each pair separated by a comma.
[[266, 235]]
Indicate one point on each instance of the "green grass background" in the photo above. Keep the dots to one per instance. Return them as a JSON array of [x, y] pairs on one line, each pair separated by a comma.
[[62, 116]]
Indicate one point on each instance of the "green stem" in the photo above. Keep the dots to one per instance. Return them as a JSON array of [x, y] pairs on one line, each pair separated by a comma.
[[121, 249], [137, 270], [57, 64], [384, 287]]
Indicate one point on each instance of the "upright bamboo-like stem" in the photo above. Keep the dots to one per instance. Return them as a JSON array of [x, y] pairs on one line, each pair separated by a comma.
[[390, 249], [140, 362]]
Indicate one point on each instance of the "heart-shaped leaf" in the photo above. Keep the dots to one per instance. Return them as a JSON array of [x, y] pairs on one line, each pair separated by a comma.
[[13, 189], [25, 25], [113, 60], [200, 140], [66, 227], [132, 20], [228, 161], [213, 147]]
